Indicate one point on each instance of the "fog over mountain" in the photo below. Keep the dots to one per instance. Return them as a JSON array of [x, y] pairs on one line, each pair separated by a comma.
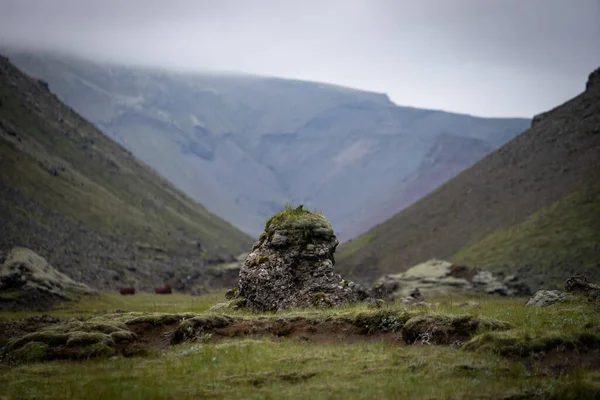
[[504, 58], [248, 105]]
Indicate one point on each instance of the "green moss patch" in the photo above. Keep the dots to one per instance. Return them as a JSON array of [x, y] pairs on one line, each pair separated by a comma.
[[72, 339], [298, 219]]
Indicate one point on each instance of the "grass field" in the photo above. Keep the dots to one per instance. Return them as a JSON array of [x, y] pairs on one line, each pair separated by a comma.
[[250, 367]]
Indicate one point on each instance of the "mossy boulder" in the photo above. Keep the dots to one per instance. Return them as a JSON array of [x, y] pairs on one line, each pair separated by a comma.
[[31, 352], [291, 265], [28, 282]]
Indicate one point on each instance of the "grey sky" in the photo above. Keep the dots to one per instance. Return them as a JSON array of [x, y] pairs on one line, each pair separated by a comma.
[[482, 57]]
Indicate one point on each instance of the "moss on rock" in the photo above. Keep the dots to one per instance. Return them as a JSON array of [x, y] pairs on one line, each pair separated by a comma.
[[296, 219], [77, 339], [30, 352], [154, 319]]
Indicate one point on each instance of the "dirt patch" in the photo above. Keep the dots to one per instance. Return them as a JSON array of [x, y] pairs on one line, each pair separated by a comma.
[[463, 272], [153, 336], [305, 330]]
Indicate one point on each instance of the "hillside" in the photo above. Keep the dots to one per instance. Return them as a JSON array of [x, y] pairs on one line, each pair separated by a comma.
[[83, 202], [243, 146], [533, 207]]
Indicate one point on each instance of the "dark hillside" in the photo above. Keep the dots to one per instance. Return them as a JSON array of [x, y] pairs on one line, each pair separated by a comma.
[[542, 187], [86, 204]]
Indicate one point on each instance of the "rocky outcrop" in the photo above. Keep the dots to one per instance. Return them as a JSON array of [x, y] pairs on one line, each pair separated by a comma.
[[576, 288], [27, 281], [292, 266], [438, 278], [593, 80]]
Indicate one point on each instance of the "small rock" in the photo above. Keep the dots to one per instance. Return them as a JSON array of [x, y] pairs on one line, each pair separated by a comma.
[[544, 298], [375, 303], [416, 294], [279, 240], [467, 304]]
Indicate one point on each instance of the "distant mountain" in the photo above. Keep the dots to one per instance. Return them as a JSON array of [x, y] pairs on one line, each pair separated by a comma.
[[243, 145], [83, 202], [531, 207]]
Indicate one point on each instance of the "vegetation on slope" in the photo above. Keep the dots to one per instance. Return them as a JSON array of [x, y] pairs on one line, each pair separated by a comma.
[[558, 240], [552, 169], [83, 202]]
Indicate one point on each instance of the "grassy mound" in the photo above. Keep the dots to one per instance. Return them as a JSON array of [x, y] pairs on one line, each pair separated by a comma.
[[72, 339], [298, 222]]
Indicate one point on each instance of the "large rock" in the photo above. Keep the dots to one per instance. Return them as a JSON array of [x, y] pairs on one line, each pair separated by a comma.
[[439, 278], [27, 281], [577, 288], [292, 265], [544, 298]]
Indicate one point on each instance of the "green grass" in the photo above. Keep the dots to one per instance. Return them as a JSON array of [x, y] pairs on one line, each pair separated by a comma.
[[106, 303], [265, 369], [296, 217], [555, 240]]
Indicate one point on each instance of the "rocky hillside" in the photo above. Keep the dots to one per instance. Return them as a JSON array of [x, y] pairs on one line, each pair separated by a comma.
[[533, 207], [243, 146], [84, 203]]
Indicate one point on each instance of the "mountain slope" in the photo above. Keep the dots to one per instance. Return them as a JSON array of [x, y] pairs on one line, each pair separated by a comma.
[[86, 204], [533, 205], [243, 146]]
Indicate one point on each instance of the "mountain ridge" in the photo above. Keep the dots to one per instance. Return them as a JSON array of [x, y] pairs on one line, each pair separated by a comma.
[[558, 156], [79, 199], [245, 147]]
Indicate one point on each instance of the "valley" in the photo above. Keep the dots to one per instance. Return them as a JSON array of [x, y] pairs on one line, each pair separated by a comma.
[[243, 145]]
